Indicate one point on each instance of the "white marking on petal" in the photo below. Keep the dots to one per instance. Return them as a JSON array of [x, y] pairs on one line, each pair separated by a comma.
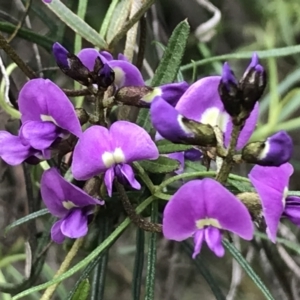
[[111, 158], [182, 126], [108, 159], [150, 96], [208, 222], [263, 154], [119, 77], [47, 118], [68, 204], [285, 194], [119, 156], [214, 117]]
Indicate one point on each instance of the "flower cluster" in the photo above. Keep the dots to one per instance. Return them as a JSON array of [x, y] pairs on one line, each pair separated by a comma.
[[216, 115]]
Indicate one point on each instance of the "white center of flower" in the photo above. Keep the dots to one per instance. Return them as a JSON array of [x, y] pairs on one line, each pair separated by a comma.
[[47, 118], [68, 204], [208, 222], [285, 194], [263, 154], [111, 158], [150, 96], [119, 77], [182, 126], [214, 117]]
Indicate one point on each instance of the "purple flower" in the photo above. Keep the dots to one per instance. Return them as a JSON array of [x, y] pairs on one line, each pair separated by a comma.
[[126, 74], [201, 102], [271, 184], [202, 208], [47, 117], [275, 151], [47, 1], [67, 202], [110, 151]]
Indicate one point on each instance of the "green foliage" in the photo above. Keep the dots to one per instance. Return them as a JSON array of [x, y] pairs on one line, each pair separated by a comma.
[[166, 147], [82, 291], [161, 165]]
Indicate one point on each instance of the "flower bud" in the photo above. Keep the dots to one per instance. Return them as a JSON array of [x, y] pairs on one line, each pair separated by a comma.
[[105, 77], [253, 84], [229, 91], [133, 95], [71, 65], [275, 151]]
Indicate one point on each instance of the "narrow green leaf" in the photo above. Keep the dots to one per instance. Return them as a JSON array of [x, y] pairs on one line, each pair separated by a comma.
[[27, 218], [107, 18], [138, 264], [165, 147], [28, 35], [151, 260], [168, 68], [161, 165], [94, 254], [82, 291], [76, 23], [240, 186], [276, 52], [248, 269], [203, 269]]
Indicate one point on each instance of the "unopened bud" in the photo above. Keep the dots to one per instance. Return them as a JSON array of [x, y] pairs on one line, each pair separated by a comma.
[[105, 77], [133, 95], [253, 84], [229, 92], [71, 65], [275, 151]]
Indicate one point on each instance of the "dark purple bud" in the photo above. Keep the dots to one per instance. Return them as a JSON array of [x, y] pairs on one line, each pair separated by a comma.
[[106, 77], [275, 151], [71, 65], [229, 91], [253, 83]]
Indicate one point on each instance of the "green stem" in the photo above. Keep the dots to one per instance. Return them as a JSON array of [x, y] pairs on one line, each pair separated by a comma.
[[144, 176], [227, 163], [274, 104], [8, 260]]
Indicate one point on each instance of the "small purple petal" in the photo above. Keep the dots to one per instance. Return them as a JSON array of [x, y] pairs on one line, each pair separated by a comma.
[[88, 152], [167, 121], [109, 179], [61, 55], [40, 135], [180, 157], [198, 240], [213, 238], [56, 191], [12, 149], [129, 175], [133, 140], [88, 57], [56, 234], [271, 183], [126, 74], [193, 154], [171, 92], [74, 225], [41, 97], [227, 76], [108, 56], [278, 150], [292, 209], [122, 57]]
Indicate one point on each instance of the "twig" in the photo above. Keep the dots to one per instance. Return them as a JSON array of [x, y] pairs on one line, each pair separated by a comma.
[[9, 50], [134, 217]]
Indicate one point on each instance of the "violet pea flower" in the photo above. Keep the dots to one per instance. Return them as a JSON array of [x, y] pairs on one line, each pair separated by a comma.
[[271, 184], [67, 202], [110, 151], [202, 209], [47, 116]]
